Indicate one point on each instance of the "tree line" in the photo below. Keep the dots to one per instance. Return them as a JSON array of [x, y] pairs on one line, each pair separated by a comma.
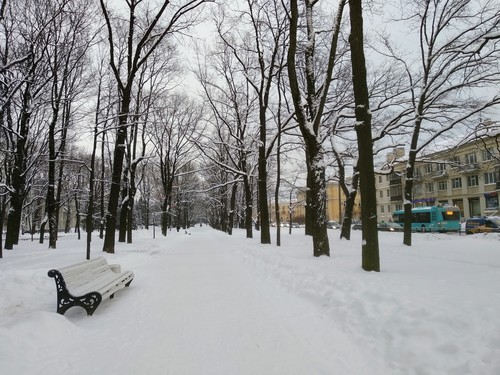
[[283, 89]]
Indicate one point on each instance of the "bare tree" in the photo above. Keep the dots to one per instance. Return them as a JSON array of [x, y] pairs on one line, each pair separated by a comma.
[[309, 111], [258, 51], [176, 124], [24, 83], [232, 102], [71, 37], [453, 79], [145, 34], [370, 248]]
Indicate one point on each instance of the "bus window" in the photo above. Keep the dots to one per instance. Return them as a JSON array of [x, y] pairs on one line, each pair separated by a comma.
[[421, 217]]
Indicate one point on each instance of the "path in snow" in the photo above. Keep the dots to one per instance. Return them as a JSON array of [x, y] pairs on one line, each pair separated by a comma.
[[197, 308]]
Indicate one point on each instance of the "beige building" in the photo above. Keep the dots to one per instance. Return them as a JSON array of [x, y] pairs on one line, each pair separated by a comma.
[[467, 177], [335, 203]]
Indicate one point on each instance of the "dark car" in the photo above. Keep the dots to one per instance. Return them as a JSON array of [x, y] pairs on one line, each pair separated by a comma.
[[357, 226], [482, 225], [389, 227]]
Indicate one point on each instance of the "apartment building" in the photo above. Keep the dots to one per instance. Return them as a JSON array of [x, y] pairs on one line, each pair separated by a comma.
[[467, 177]]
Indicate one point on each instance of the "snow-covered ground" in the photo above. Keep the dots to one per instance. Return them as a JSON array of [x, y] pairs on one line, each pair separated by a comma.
[[209, 303]]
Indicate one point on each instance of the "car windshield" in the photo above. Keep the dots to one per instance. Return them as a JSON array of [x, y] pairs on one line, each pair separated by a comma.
[[496, 220]]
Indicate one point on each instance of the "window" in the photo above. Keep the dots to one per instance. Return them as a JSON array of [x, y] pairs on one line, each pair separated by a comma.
[[417, 173], [388, 193], [396, 191], [441, 166], [456, 183], [470, 158], [488, 154], [399, 207], [382, 209], [389, 208], [490, 178], [381, 194], [491, 201], [455, 161], [379, 179], [443, 185], [429, 186], [394, 176], [472, 180], [428, 168]]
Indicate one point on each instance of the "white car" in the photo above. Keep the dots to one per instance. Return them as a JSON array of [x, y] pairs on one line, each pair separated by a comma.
[[332, 225]]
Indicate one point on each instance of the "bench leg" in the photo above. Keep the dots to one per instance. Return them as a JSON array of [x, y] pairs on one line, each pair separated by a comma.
[[89, 302]]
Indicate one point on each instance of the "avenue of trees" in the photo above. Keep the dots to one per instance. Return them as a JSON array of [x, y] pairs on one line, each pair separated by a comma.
[[100, 125]]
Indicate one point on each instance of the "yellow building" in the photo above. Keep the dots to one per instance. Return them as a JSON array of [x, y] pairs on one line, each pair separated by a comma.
[[335, 204]]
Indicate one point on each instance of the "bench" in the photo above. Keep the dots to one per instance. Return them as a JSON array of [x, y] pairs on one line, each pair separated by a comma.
[[87, 283]]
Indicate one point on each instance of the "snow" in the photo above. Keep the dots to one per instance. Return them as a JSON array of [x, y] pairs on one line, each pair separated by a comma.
[[208, 303]]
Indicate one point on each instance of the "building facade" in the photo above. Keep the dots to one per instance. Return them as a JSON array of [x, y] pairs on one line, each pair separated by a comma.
[[335, 206], [466, 177]]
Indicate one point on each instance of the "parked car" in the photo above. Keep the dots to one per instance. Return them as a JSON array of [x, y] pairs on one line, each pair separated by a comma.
[[487, 224], [389, 227], [332, 225], [356, 226]]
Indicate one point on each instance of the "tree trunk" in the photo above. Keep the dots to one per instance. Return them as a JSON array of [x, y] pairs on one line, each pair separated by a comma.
[[103, 170], [2, 215], [351, 195], [248, 207], [277, 190], [370, 246], [118, 156], [42, 229], [18, 177], [124, 207], [232, 206], [67, 223], [130, 218], [164, 215], [318, 199], [348, 211], [50, 205], [78, 218], [410, 171]]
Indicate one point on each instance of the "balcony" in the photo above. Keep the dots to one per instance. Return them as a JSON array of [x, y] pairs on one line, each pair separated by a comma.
[[439, 174], [395, 181], [468, 168], [397, 198]]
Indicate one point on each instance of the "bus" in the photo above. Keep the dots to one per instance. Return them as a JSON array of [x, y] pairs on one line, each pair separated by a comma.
[[431, 219]]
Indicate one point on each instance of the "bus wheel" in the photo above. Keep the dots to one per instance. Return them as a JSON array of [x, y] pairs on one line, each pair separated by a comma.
[[422, 228]]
